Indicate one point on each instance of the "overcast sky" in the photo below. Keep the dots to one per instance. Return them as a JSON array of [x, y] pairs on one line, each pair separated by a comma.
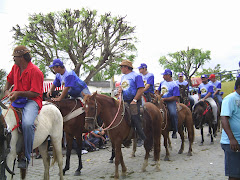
[[162, 26]]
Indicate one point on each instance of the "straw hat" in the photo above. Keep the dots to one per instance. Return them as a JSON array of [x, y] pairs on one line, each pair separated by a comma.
[[126, 63]]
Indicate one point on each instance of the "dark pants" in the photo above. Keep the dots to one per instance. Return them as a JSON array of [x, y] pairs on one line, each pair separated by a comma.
[[172, 108]]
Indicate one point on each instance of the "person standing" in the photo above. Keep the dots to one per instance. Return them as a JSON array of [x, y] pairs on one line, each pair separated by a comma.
[[205, 93], [148, 79], [170, 95], [74, 86], [180, 81], [27, 94], [216, 88], [230, 138], [132, 88]]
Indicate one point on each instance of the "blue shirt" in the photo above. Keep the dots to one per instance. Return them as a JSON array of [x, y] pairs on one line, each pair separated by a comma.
[[231, 108], [130, 83], [216, 86], [169, 89], [148, 79], [0, 111], [204, 89], [70, 79]]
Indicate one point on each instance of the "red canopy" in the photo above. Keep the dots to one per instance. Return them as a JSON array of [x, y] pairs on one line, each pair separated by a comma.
[[47, 85], [196, 81]]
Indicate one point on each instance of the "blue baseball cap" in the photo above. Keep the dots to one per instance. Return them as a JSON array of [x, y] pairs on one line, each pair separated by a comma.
[[180, 74], [56, 62], [239, 63], [167, 72], [143, 65], [204, 76]]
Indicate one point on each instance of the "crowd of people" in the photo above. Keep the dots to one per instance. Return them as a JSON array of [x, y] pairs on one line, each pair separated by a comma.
[[28, 90]]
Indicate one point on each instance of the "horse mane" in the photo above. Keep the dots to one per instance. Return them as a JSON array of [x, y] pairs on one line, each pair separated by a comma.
[[108, 99], [200, 103]]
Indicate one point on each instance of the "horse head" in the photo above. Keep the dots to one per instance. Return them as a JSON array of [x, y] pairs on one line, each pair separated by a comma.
[[90, 107], [183, 93], [198, 115]]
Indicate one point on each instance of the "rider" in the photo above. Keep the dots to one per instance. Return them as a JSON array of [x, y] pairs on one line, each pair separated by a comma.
[[216, 88], [180, 81], [27, 94], [148, 79], [170, 94], [74, 86], [132, 88], [205, 92]]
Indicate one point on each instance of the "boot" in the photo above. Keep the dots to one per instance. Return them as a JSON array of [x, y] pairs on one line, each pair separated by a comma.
[[138, 126]]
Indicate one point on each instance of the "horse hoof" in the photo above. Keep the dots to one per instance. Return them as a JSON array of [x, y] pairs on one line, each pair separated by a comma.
[[77, 173], [110, 161], [166, 158], [189, 154], [211, 142], [201, 144], [180, 152]]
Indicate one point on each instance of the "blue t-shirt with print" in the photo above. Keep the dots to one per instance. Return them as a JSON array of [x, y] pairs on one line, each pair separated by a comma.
[[169, 89], [149, 79], [231, 108], [185, 83], [216, 86], [70, 79], [130, 83], [204, 89]]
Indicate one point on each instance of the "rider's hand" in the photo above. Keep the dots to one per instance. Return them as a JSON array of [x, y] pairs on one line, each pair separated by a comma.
[[49, 94], [13, 95], [234, 145]]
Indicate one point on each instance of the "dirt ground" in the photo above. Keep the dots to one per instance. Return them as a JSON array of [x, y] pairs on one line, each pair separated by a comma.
[[207, 163]]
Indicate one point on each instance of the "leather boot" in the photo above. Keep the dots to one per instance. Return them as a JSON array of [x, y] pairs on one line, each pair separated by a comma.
[[138, 126]]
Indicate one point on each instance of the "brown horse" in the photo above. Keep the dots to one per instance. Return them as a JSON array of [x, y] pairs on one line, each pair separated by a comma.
[[184, 118], [73, 126], [119, 129]]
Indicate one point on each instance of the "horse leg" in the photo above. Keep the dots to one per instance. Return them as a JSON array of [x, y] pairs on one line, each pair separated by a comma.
[[166, 137], [113, 154], [147, 145], [202, 137], [157, 149], [68, 153], [180, 131], [79, 153], [211, 133], [169, 142], [119, 159], [134, 146], [190, 129], [46, 159]]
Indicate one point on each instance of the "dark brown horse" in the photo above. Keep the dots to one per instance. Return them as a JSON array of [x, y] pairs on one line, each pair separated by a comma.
[[202, 113], [184, 99], [184, 118], [107, 108], [73, 125]]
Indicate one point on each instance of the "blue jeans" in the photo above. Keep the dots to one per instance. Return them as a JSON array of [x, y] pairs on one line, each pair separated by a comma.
[[30, 112], [172, 108], [85, 91], [219, 97]]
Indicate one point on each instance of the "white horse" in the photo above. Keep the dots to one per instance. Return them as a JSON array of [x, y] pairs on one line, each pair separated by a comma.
[[49, 122]]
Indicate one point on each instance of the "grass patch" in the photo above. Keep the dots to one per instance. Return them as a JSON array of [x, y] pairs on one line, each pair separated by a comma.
[[228, 87]]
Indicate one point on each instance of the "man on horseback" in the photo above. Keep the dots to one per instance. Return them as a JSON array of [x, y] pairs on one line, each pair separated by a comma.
[[205, 92], [216, 88], [170, 94], [148, 79], [74, 86], [180, 81], [230, 139], [132, 88], [26, 94]]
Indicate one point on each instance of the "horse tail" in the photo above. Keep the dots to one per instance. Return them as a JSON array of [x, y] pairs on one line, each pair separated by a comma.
[[54, 156], [23, 173]]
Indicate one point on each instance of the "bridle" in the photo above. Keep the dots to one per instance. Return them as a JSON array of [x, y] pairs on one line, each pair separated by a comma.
[[89, 119]]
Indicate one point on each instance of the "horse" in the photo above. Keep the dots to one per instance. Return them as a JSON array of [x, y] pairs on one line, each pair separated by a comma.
[[73, 126], [184, 118], [184, 99], [115, 117], [202, 113], [49, 122]]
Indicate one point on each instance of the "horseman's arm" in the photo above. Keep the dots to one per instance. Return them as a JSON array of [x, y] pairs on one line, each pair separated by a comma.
[[15, 94], [226, 126], [6, 88], [172, 98], [63, 94], [52, 88], [139, 93], [208, 95], [216, 92]]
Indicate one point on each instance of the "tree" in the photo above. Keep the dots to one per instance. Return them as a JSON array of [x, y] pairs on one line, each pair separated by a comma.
[[2, 78], [222, 75], [92, 43], [187, 62]]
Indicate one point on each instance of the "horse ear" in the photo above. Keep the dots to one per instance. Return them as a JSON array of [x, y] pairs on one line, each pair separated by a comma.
[[94, 94]]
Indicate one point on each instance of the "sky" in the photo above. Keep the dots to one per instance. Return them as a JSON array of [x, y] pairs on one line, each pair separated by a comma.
[[162, 27]]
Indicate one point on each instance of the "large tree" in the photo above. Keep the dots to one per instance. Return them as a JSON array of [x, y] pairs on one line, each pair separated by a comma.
[[92, 43], [188, 61], [2, 78]]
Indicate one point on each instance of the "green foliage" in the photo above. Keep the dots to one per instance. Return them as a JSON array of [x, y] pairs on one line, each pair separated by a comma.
[[92, 43], [3, 75], [225, 76], [187, 62]]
